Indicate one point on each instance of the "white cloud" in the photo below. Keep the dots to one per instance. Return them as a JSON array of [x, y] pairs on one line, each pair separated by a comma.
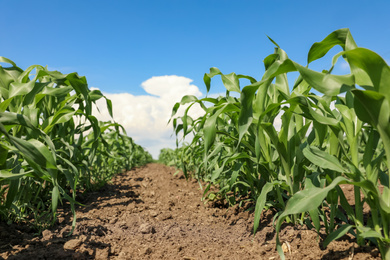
[[145, 117]]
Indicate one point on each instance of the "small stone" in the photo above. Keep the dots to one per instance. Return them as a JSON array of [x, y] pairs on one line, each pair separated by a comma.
[[166, 216], [113, 220], [72, 244], [146, 229], [148, 251], [286, 247], [102, 254], [153, 213], [83, 238], [122, 255], [47, 234], [123, 225], [100, 232]]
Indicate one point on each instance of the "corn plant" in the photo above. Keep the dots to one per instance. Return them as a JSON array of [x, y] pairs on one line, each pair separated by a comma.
[[169, 157], [50, 142], [115, 152], [338, 137]]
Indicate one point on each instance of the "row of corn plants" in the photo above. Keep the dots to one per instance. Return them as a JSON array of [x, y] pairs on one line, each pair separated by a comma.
[[340, 134], [169, 157], [51, 145]]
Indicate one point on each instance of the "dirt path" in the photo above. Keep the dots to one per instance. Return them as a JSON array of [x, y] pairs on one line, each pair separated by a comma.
[[148, 213]]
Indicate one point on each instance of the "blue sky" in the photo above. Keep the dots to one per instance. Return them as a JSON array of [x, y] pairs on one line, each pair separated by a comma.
[[120, 45]]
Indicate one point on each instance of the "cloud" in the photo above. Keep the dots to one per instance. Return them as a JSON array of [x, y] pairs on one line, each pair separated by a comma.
[[145, 117]]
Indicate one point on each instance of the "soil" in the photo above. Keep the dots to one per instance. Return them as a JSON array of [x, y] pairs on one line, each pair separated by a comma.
[[151, 213]]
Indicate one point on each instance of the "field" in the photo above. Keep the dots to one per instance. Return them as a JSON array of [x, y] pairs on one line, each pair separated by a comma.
[[148, 213], [272, 169]]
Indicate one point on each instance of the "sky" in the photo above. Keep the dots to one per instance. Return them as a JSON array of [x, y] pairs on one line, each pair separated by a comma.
[[145, 55]]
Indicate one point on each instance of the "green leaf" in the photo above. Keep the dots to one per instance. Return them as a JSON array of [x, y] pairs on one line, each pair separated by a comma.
[[327, 84], [368, 63], [260, 203], [10, 118], [3, 156], [340, 37], [383, 201], [207, 77], [341, 231], [61, 116], [246, 111], [315, 219], [210, 124], [55, 196], [95, 95], [5, 60], [33, 149], [80, 86], [19, 89], [322, 159], [303, 201], [371, 107], [273, 41], [12, 192], [310, 198], [368, 232], [56, 92], [109, 106], [10, 175], [231, 82], [4, 104]]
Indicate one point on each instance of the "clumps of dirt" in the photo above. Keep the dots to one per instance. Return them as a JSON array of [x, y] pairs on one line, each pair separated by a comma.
[[150, 213]]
